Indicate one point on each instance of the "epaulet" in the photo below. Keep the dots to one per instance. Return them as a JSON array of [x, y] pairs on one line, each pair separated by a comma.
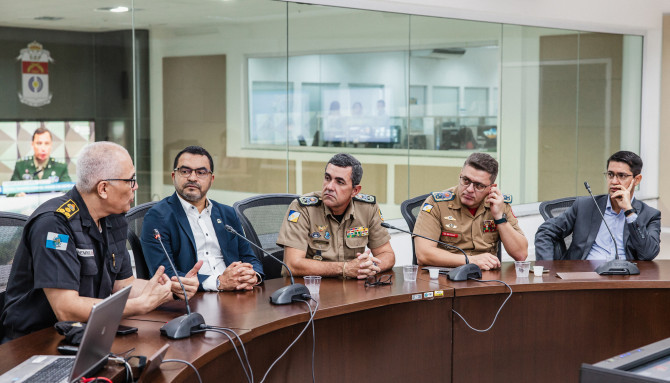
[[68, 209], [507, 198], [443, 196], [367, 198], [309, 200]]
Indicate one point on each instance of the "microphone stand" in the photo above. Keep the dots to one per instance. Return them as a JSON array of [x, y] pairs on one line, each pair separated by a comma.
[[616, 266], [183, 326], [286, 294], [460, 273]]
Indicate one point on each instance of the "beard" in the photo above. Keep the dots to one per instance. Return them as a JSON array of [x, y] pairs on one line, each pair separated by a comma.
[[193, 196]]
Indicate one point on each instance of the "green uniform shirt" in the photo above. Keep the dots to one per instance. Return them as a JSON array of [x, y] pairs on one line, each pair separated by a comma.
[[26, 170]]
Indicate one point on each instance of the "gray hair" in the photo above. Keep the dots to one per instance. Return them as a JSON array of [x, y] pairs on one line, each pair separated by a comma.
[[98, 161], [345, 160]]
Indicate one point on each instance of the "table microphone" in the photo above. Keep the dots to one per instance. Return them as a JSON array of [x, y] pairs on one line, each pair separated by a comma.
[[616, 266], [286, 294], [460, 273], [183, 326]]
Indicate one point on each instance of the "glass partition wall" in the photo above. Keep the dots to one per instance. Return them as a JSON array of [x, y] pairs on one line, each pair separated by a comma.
[[274, 89]]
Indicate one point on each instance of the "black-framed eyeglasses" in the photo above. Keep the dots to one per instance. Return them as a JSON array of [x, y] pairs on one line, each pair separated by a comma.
[[185, 172], [466, 182], [620, 176], [132, 181], [379, 280]]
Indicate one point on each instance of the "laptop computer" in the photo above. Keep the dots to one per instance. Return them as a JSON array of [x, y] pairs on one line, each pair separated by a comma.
[[91, 356]]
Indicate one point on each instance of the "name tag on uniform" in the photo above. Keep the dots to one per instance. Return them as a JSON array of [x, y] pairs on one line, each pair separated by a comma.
[[85, 252], [452, 235], [57, 241]]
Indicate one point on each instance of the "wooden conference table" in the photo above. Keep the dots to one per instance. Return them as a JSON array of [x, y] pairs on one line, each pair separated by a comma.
[[407, 332]]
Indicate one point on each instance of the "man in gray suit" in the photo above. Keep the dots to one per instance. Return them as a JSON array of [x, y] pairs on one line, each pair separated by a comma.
[[635, 225]]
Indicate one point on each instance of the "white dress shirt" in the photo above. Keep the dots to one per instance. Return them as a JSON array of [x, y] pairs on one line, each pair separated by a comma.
[[206, 243]]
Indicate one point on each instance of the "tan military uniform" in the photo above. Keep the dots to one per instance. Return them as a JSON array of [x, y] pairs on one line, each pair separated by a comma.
[[444, 218], [310, 226]]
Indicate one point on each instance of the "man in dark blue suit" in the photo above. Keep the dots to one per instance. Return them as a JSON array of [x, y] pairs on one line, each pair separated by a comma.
[[192, 228], [635, 225]]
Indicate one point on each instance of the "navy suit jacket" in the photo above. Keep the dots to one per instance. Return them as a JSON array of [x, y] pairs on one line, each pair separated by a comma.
[[169, 218], [641, 238]]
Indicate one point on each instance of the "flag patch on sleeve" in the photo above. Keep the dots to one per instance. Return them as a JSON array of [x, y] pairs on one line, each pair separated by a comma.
[[57, 241]]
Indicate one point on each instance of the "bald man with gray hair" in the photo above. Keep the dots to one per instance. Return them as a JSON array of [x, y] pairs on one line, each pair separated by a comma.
[[73, 250]]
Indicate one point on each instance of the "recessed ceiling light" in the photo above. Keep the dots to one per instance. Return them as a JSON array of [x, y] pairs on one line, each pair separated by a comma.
[[113, 9]]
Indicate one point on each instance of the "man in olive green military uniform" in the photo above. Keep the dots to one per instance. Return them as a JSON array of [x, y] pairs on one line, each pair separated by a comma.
[[325, 233], [40, 165], [473, 216]]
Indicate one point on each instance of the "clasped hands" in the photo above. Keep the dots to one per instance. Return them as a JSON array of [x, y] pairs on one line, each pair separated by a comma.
[[363, 266]]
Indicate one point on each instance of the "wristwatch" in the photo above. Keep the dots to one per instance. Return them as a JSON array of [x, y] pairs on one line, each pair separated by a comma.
[[629, 211], [503, 219]]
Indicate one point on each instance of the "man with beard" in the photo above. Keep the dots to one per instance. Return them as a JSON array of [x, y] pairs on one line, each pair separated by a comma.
[[474, 216], [635, 225], [326, 233], [192, 228]]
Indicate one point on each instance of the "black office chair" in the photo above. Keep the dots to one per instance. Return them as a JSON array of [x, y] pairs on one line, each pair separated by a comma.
[[554, 208], [261, 218], [135, 218], [410, 210], [11, 228]]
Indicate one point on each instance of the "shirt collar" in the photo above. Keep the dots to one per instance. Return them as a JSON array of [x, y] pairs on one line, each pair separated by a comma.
[[349, 211], [189, 208]]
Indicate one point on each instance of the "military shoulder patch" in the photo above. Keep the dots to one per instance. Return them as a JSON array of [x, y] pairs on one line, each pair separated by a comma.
[[365, 198], [309, 200], [68, 209], [507, 198], [443, 196]]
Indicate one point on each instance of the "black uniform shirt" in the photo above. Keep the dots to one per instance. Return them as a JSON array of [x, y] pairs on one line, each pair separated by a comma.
[[62, 248]]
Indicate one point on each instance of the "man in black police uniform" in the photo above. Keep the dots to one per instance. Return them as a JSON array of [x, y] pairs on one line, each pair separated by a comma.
[[73, 250]]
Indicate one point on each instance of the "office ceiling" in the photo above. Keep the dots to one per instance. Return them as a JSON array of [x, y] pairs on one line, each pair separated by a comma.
[[81, 15]]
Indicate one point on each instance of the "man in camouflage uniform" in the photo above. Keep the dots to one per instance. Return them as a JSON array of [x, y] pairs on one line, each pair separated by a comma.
[[325, 233], [40, 165], [473, 216]]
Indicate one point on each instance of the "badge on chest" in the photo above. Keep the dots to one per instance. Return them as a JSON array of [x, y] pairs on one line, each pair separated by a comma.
[[360, 231], [489, 226]]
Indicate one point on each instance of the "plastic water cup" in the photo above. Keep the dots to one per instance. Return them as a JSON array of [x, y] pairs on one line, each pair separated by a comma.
[[522, 268], [538, 270], [313, 284], [434, 273], [409, 272]]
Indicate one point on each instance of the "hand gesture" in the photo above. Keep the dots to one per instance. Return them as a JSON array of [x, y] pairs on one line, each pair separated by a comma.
[[157, 290], [624, 195], [190, 281], [496, 202]]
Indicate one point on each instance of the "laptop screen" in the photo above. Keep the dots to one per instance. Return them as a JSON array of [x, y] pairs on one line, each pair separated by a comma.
[[99, 334]]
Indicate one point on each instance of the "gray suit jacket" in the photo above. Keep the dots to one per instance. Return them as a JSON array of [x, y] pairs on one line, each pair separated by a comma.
[[582, 220]]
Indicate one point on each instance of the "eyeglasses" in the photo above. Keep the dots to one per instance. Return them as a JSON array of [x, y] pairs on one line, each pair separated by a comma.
[[466, 182], [379, 280], [185, 172], [132, 181], [620, 176]]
